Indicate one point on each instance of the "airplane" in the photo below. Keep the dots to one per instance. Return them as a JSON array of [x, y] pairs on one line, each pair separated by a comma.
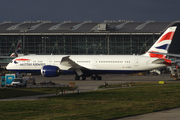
[[16, 52], [93, 65]]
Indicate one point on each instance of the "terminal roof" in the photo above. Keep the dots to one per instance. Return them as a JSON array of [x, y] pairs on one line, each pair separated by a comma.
[[81, 28]]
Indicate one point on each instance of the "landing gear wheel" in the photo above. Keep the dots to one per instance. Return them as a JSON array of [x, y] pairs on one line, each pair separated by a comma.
[[93, 78], [77, 78], [96, 78], [83, 78], [99, 78]]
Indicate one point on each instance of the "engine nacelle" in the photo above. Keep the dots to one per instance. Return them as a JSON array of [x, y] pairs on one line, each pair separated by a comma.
[[50, 71]]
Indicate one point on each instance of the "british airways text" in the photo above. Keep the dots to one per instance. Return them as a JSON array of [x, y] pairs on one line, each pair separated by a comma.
[[32, 64]]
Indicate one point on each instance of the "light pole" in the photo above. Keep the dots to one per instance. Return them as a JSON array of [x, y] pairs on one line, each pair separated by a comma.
[[45, 43], [23, 31], [94, 45], [39, 47]]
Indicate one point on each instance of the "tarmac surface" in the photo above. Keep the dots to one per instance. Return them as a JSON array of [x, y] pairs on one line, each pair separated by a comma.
[[171, 114], [92, 85]]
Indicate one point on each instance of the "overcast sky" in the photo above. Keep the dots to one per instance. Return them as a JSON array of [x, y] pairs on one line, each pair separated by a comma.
[[89, 10]]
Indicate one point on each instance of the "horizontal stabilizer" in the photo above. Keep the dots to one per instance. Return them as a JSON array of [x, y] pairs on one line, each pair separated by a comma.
[[168, 54]]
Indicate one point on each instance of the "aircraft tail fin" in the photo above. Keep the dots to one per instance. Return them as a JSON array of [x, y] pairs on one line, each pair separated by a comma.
[[17, 50], [12, 55], [162, 44]]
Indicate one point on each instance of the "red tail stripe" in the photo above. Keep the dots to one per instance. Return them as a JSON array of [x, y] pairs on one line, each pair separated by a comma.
[[18, 46], [167, 36]]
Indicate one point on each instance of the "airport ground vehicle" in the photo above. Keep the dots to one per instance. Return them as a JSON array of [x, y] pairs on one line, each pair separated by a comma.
[[19, 82], [7, 79], [30, 80]]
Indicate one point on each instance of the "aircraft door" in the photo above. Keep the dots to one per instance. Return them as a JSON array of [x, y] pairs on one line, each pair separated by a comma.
[[50, 61], [136, 63], [95, 62]]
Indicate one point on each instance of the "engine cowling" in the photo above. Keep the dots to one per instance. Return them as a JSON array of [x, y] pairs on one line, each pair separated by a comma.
[[50, 71]]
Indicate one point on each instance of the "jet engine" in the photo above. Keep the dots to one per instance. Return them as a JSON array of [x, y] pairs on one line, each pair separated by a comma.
[[50, 71]]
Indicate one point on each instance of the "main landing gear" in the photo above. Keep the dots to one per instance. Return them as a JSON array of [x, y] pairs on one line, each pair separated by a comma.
[[92, 77], [80, 78], [96, 78]]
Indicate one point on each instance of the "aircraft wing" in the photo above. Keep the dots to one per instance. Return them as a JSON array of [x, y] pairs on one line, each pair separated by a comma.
[[72, 64]]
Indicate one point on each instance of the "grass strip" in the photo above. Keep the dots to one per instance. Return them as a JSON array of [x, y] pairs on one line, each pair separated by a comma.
[[18, 92], [96, 105]]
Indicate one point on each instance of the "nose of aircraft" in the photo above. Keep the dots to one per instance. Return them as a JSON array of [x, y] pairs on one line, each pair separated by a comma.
[[8, 66]]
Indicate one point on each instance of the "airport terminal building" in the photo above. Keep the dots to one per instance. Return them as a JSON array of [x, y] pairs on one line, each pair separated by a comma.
[[108, 37]]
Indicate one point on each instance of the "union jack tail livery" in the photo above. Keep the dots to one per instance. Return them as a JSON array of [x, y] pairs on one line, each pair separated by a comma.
[[17, 50], [162, 44]]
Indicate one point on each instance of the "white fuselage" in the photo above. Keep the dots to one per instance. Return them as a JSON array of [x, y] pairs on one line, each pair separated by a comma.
[[91, 62]]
